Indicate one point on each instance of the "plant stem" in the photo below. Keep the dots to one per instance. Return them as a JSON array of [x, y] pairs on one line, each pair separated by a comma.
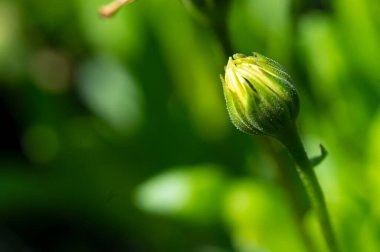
[[293, 143], [292, 185]]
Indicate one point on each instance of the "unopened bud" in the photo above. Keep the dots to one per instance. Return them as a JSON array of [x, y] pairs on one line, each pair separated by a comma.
[[260, 96]]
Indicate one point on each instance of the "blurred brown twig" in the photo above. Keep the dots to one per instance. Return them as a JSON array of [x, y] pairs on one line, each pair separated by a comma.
[[110, 9]]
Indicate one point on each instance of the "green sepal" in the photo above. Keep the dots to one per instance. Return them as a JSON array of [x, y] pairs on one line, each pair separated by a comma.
[[318, 159]]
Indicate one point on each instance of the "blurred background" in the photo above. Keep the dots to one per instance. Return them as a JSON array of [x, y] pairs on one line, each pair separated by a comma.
[[115, 135]]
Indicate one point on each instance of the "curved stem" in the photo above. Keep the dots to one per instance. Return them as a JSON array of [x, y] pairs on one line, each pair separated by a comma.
[[293, 143]]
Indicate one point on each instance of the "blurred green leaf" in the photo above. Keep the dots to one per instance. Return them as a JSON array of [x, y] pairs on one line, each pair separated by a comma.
[[193, 193]]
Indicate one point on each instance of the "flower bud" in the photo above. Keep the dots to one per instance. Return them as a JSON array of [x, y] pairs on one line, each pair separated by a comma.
[[259, 94]]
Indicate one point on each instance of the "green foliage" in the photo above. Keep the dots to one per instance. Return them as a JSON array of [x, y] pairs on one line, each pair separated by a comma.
[[98, 117]]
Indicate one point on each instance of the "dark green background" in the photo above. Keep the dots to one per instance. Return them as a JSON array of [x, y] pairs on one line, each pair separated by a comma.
[[114, 135]]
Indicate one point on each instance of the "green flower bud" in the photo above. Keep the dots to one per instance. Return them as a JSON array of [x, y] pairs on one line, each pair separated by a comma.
[[259, 94]]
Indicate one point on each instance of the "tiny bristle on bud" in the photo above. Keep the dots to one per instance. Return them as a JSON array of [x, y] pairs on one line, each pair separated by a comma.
[[110, 9]]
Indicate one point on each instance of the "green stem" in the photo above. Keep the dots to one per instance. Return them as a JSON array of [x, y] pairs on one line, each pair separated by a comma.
[[293, 189], [293, 143]]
